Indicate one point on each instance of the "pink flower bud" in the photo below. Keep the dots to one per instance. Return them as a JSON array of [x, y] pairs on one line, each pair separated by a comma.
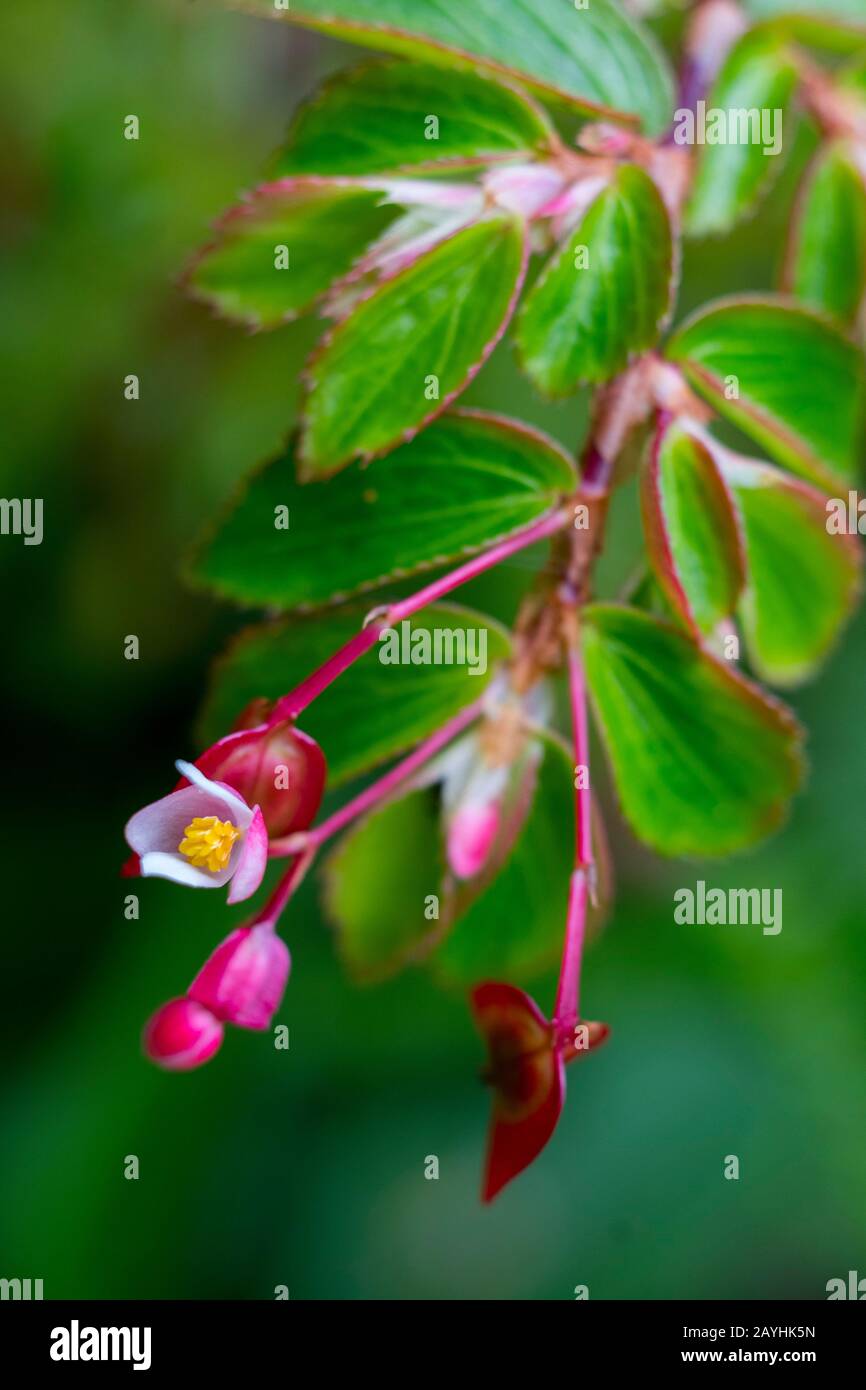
[[488, 781], [244, 980], [182, 1035], [470, 838], [474, 794]]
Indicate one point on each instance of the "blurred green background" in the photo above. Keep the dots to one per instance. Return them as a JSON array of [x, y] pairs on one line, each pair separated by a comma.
[[306, 1167]]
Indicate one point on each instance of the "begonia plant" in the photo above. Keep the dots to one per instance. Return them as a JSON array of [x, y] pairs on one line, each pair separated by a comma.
[[528, 170]]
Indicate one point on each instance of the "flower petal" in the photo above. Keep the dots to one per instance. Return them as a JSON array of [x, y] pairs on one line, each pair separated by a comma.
[[161, 825], [470, 838], [248, 862], [515, 1141], [241, 812], [528, 1077], [509, 1020], [244, 980], [159, 864]]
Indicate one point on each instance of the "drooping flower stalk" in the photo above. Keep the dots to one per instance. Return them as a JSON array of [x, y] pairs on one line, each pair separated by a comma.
[[527, 1054], [548, 526], [618, 408], [580, 726], [383, 786], [565, 1009], [297, 700], [273, 909], [219, 759]]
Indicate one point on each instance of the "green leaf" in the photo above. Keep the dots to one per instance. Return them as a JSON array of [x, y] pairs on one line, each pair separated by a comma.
[[758, 78], [378, 117], [406, 351], [467, 481], [704, 761], [850, 77], [373, 711], [785, 376], [595, 58], [324, 225], [514, 929], [604, 293], [826, 263], [691, 530], [377, 881], [803, 581]]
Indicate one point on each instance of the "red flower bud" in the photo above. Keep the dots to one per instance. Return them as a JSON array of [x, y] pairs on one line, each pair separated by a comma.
[[279, 769]]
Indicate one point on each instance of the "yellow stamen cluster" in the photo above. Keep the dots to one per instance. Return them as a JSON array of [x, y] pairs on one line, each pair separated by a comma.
[[207, 842]]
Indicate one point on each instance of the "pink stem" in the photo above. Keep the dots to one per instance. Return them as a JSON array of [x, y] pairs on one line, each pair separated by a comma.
[[291, 880], [555, 521], [565, 1011], [291, 705], [377, 791], [580, 726], [297, 700]]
